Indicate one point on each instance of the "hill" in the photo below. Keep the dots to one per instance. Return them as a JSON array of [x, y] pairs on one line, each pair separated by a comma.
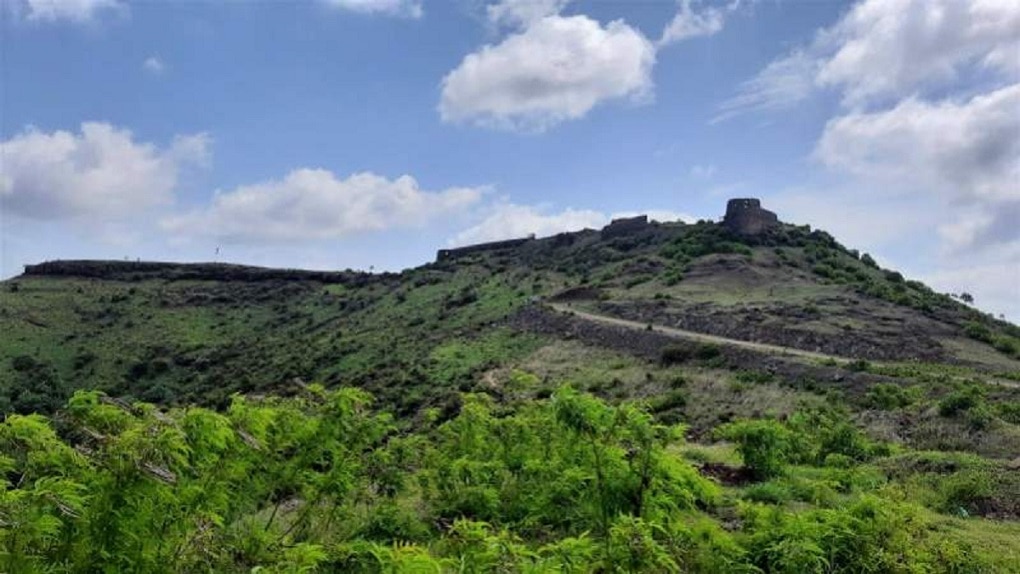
[[178, 333], [806, 381]]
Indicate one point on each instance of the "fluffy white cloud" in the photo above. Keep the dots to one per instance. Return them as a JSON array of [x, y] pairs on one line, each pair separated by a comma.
[[311, 204], [153, 65], [521, 13], [100, 173], [689, 23], [888, 49], [965, 153], [892, 48], [510, 221], [403, 8], [556, 69], [66, 10]]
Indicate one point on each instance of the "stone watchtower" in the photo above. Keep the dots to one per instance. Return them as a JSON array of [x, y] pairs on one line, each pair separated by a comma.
[[746, 217]]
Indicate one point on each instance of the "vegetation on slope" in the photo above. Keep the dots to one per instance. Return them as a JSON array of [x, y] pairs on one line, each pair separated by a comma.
[[173, 334], [672, 456], [322, 482]]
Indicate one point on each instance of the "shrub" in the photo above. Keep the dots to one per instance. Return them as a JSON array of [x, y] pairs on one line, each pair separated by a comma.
[[893, 276], [707, 351], [673, 277], [859, 365], [1009, 411], [1006, 345], [765, 445], [23, 363], [888, 396], [672, 400], [838, 460], [771, 492], [964, 491], [755, 377], [978, 331], [964, 398], [674, 355], [980, 417]]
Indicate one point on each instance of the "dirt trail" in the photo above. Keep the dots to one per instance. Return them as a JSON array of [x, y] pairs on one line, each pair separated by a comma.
[[695, 336], [704, 338]]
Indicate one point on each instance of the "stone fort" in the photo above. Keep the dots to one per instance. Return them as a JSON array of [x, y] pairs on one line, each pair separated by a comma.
[[746, 217]]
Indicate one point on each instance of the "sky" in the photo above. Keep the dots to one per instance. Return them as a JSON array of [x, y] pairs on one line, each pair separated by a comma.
[[367, 134]]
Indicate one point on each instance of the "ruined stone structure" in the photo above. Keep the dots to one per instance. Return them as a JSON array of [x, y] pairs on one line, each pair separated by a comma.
[[746, 217], [448, 254], [624, 226]]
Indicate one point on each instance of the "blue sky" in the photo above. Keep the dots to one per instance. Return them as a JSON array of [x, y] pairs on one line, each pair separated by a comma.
[[369, 133]]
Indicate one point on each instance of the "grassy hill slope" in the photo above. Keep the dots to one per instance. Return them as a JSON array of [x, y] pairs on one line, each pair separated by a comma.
[[895, 424], [182, 333]]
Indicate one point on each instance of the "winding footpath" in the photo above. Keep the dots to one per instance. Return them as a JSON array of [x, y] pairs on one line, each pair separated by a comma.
[[705, 338], [694, 335]]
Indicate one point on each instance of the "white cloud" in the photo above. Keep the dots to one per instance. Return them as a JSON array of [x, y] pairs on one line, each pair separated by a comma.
[[703, 171], [689, 23], [554, 68], [964, 153], [892, 48], [522, 13], [311, 204], [783, 83], [510, 221], [153, 65], [557, 69], [99, 174], [79, 11], [402, 8], [889, 49]]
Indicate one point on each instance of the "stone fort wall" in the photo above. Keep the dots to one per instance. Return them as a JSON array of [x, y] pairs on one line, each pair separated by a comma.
[[624, 226], [448, 254]]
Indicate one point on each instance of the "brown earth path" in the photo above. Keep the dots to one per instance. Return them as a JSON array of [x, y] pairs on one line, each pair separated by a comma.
[[695, 336], [705, 338]]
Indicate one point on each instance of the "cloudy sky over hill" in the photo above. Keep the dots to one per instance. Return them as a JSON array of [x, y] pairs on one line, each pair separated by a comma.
[[368, 133]]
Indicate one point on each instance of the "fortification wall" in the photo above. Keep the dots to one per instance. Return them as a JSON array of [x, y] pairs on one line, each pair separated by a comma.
[[624, 226], [447, 254]]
